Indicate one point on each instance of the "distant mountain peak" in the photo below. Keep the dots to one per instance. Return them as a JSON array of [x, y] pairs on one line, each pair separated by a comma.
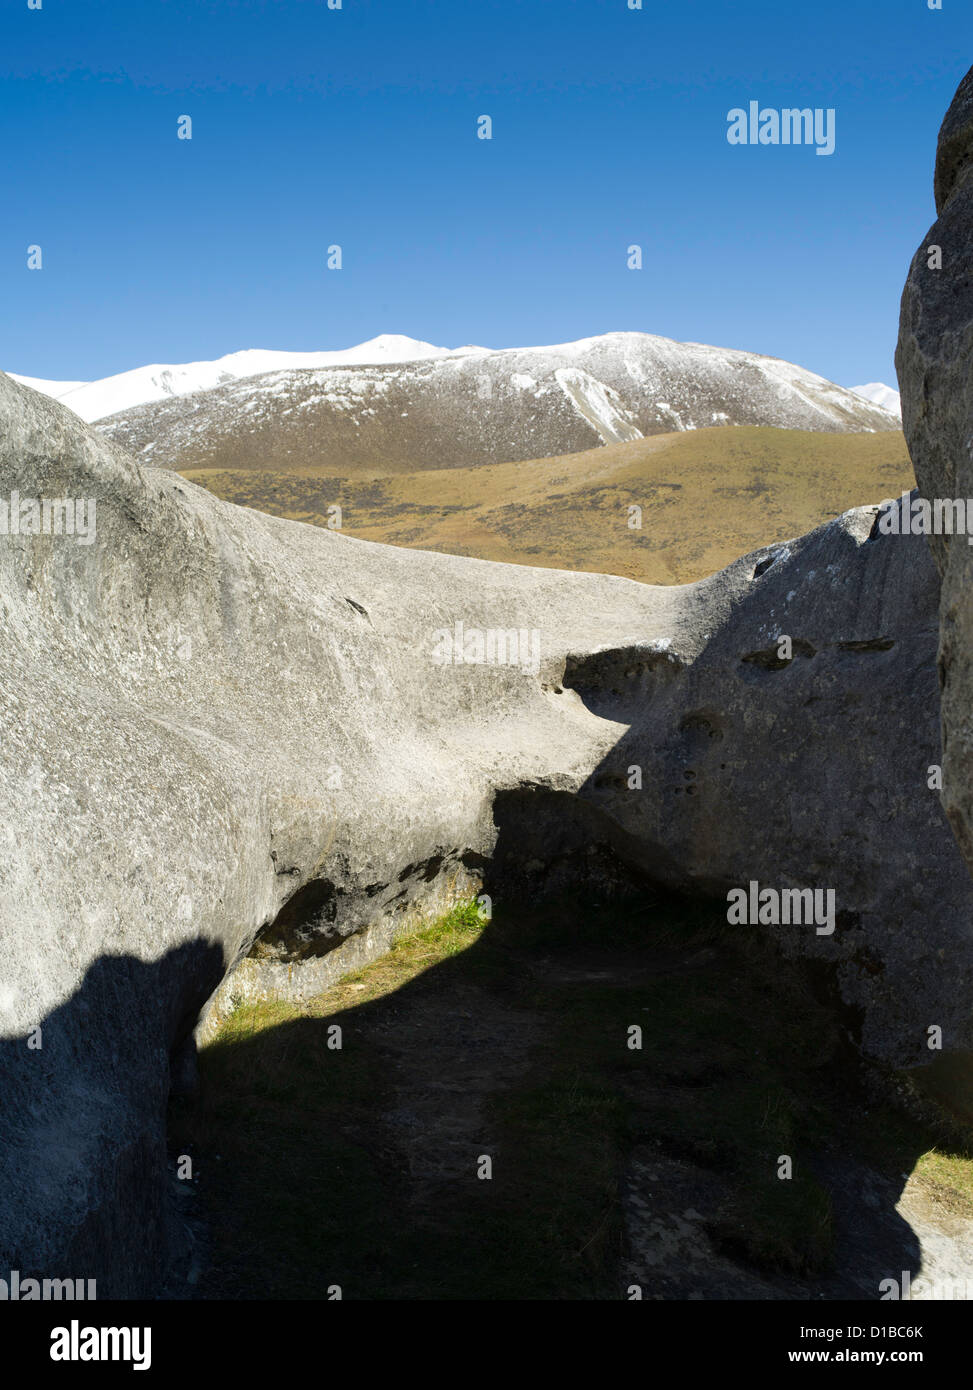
[[459, 408], [94, 400], [464, 404], [880, 394]]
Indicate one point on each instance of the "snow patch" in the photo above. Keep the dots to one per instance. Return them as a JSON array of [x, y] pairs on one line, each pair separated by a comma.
[[881, 395], [598, 404], [664, 408]]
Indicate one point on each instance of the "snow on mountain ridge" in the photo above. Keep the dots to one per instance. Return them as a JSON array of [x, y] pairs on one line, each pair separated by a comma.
[[57, 389], [654, 365], [94, 400]]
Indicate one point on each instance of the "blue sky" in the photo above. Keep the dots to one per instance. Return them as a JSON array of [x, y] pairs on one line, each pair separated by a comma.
[[357, 126]]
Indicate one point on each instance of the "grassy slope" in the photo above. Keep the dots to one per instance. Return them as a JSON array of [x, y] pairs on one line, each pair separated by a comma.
[[707, 496]]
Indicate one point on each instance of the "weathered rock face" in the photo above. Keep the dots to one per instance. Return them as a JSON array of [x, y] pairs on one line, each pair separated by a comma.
[[229, 740], [205, 715], [935, 366], [813, 770]]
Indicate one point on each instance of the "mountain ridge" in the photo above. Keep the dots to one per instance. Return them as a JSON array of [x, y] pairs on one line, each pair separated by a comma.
[[97, 400], [474, 406], [94, 400]]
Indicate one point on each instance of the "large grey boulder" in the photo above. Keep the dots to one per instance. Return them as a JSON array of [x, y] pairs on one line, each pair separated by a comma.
[[935, 366], [206, 716], [231, 750], [815, 769]]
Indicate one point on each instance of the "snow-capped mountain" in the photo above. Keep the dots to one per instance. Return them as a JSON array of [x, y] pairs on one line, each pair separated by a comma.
[[396, 403], [93, 400], [880, 394]]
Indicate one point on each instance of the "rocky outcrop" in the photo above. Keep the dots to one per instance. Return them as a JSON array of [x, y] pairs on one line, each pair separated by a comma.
[[235, 746], [812, 769], [935, 366]]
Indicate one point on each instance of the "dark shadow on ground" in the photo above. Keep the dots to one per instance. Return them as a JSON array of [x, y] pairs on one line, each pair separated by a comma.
[[613, 1166]]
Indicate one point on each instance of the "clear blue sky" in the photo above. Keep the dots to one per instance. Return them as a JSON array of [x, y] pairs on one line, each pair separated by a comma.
[[357, 126]]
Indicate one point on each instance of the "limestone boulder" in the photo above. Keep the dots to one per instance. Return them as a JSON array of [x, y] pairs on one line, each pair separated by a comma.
[[238, 754], [935, 366]]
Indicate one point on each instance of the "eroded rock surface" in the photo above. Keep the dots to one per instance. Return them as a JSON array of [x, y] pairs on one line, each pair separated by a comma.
[[935, 366], [226, 740], [812, 770]]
